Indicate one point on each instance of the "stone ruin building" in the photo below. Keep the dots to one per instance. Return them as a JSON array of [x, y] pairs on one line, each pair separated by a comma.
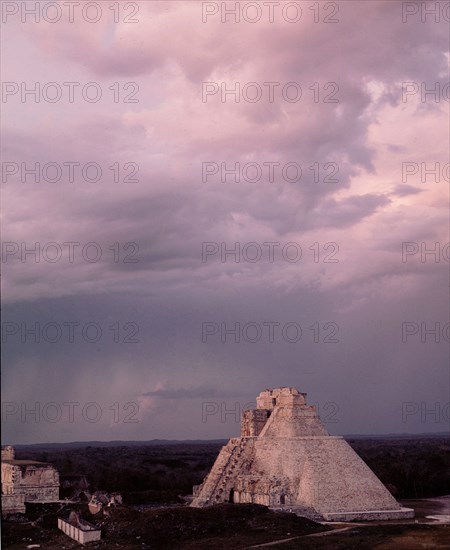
[[101, 499], [26, 481], [74, 487], [286, 460]]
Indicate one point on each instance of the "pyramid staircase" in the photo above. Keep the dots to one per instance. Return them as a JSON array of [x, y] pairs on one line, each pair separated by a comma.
[[232, 460]]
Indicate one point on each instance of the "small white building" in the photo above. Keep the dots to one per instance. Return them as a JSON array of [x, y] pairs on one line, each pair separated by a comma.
[[79, 529]]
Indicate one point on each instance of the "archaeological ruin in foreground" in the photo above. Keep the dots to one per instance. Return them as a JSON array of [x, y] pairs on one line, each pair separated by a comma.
[[285, 459], [26, 481]]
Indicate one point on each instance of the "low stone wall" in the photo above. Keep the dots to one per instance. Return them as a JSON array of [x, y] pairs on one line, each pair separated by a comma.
[[13, 504], [83, 534], [372, 515]]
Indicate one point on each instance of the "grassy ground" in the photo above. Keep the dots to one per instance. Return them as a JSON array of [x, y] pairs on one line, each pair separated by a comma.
[[219, 527], [228, 527]]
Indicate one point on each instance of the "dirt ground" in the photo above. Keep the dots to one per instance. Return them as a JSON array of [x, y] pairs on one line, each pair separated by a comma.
[[237, 527]]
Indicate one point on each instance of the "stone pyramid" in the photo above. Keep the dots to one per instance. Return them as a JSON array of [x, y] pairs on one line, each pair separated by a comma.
[[285, 459]]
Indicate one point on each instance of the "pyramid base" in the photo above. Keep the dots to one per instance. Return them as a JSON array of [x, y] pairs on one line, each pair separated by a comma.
[[371, 515]]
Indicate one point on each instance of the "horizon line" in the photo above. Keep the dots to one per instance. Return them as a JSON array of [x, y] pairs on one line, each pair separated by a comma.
[[124, 441]]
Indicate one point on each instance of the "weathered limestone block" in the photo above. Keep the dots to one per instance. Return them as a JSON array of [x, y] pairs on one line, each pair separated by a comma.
[[253, 421], [13, 504], [8, 453]]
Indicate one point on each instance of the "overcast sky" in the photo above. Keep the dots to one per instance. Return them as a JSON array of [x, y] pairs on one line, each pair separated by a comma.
[[336, 306]]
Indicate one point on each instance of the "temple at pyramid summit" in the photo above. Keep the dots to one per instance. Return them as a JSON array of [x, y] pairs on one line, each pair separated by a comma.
[[286, 460]]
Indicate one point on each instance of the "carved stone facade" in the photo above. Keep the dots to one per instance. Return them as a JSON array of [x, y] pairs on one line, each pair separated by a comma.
[[285, 459], [26, 481], [253, 421]]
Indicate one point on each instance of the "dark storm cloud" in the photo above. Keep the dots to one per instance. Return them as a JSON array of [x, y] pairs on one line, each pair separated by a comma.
[[171, 291], [403, 190], [188, 393]]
